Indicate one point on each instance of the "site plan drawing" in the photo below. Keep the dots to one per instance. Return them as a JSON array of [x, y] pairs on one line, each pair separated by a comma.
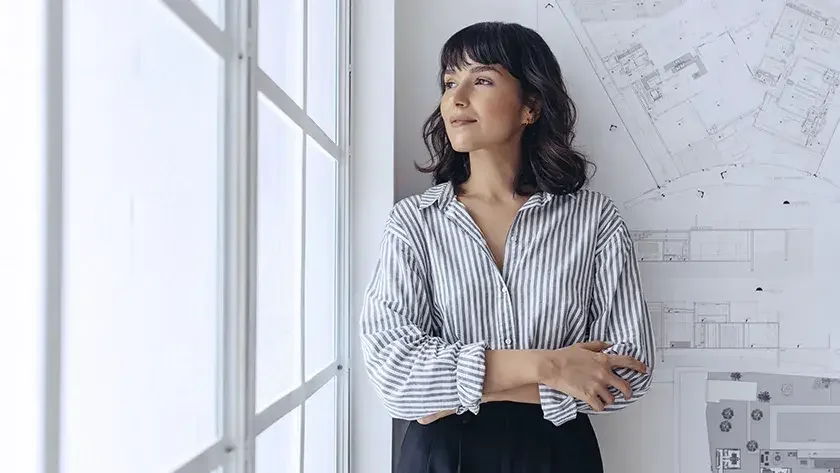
[[760, 422]]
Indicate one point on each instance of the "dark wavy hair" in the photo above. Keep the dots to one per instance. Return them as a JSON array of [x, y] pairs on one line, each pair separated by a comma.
[[549, 163]]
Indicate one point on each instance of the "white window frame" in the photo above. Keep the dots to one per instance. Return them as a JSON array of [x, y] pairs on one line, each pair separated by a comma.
[[236, 43]]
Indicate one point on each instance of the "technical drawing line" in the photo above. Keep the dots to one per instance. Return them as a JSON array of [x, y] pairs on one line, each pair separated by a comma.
[[720, 170], [828, 145]]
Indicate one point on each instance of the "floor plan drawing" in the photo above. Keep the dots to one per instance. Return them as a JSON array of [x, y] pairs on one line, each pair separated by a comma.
[[705, 86]]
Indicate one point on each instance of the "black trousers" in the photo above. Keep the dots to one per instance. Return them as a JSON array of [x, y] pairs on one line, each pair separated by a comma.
[[504, 437]]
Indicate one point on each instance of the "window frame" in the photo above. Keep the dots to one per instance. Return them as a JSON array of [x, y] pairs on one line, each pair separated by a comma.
[[239, 425]]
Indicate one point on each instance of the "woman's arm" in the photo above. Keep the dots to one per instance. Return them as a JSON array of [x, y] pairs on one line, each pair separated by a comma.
[[417, 374], [526, 394], [619, 313]]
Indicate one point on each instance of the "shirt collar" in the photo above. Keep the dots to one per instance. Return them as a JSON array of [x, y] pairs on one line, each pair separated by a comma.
[[443, 194]]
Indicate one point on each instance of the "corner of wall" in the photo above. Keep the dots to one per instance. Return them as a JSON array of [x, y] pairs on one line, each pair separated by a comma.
[[372, 196]]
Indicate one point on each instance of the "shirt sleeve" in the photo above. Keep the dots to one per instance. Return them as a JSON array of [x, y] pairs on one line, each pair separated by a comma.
[[415, 373], [618, 313]]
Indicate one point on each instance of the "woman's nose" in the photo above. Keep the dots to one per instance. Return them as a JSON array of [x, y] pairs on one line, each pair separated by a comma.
[[460, 96]]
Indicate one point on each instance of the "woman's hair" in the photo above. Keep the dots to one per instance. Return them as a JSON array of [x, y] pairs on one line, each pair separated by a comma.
[[549, 163]]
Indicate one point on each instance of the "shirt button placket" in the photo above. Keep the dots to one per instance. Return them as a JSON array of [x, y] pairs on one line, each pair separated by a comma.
[[506, 310], [507, 304]]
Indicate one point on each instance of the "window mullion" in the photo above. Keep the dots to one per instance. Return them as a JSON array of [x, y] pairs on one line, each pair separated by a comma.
[[238, 242], [302, 313], [343, 316], [54, 229]]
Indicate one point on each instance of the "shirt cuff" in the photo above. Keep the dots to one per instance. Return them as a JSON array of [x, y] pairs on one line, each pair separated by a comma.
[[558, 408], [469, 376]]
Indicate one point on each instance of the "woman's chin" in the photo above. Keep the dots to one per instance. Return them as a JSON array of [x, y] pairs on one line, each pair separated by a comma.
[[463, 146]]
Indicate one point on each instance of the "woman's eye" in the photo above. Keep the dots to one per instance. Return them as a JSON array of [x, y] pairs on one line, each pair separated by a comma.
[[483, 82], [449, 84]]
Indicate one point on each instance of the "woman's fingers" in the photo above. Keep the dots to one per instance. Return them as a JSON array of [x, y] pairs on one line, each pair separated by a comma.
[[594, 402], [606, 397], [622, 385], [624, 361], [427, 420], [594, 345], [431, 418]]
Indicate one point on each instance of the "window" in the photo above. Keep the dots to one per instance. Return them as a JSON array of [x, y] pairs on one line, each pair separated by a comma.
[[175, 277]]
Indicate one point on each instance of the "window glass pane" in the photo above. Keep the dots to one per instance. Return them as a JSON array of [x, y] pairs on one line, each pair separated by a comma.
[[320, 431], [278, 254], [278, 447], [21, 241], [215, 9], [321, 255], [141, 243], [280, 44], [322, 64]]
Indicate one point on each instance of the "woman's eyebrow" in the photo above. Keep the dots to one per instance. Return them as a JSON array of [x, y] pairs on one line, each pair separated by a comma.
[[474, 69], [483, 68]]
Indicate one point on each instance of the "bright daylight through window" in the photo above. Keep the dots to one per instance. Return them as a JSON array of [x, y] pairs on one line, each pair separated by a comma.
[[173, 256]]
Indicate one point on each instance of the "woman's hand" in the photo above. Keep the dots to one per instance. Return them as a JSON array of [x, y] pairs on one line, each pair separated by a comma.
[[440, 415], [584, 372]]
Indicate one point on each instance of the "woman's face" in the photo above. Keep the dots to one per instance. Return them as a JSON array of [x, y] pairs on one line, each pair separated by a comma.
[[482, 107]]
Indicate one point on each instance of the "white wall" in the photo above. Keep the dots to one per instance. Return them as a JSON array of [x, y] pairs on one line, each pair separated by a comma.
[[372, 195]]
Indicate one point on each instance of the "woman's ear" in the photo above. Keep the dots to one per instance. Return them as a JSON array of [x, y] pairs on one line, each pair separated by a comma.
[[532, 110]]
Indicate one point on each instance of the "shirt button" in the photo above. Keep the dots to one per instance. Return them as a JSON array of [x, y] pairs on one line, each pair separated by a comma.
[[504, 290], [508, 341]]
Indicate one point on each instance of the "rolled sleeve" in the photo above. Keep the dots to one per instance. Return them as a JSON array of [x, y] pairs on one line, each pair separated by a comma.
[[469, 376], [558, 407], [414, 372]]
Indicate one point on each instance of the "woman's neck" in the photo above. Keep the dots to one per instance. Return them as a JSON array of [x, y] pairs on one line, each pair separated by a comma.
[[492, 175]]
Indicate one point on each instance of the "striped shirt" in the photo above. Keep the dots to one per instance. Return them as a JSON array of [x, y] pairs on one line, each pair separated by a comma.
[[438, 301]]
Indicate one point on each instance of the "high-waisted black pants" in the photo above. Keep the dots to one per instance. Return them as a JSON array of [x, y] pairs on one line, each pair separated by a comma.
[[504, 437]]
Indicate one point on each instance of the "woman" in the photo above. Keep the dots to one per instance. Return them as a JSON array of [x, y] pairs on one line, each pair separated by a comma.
[[506, 304]]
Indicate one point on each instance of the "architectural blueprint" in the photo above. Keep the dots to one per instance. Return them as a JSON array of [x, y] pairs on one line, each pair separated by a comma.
[[707, 87], [760, 422], [715, 125]]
